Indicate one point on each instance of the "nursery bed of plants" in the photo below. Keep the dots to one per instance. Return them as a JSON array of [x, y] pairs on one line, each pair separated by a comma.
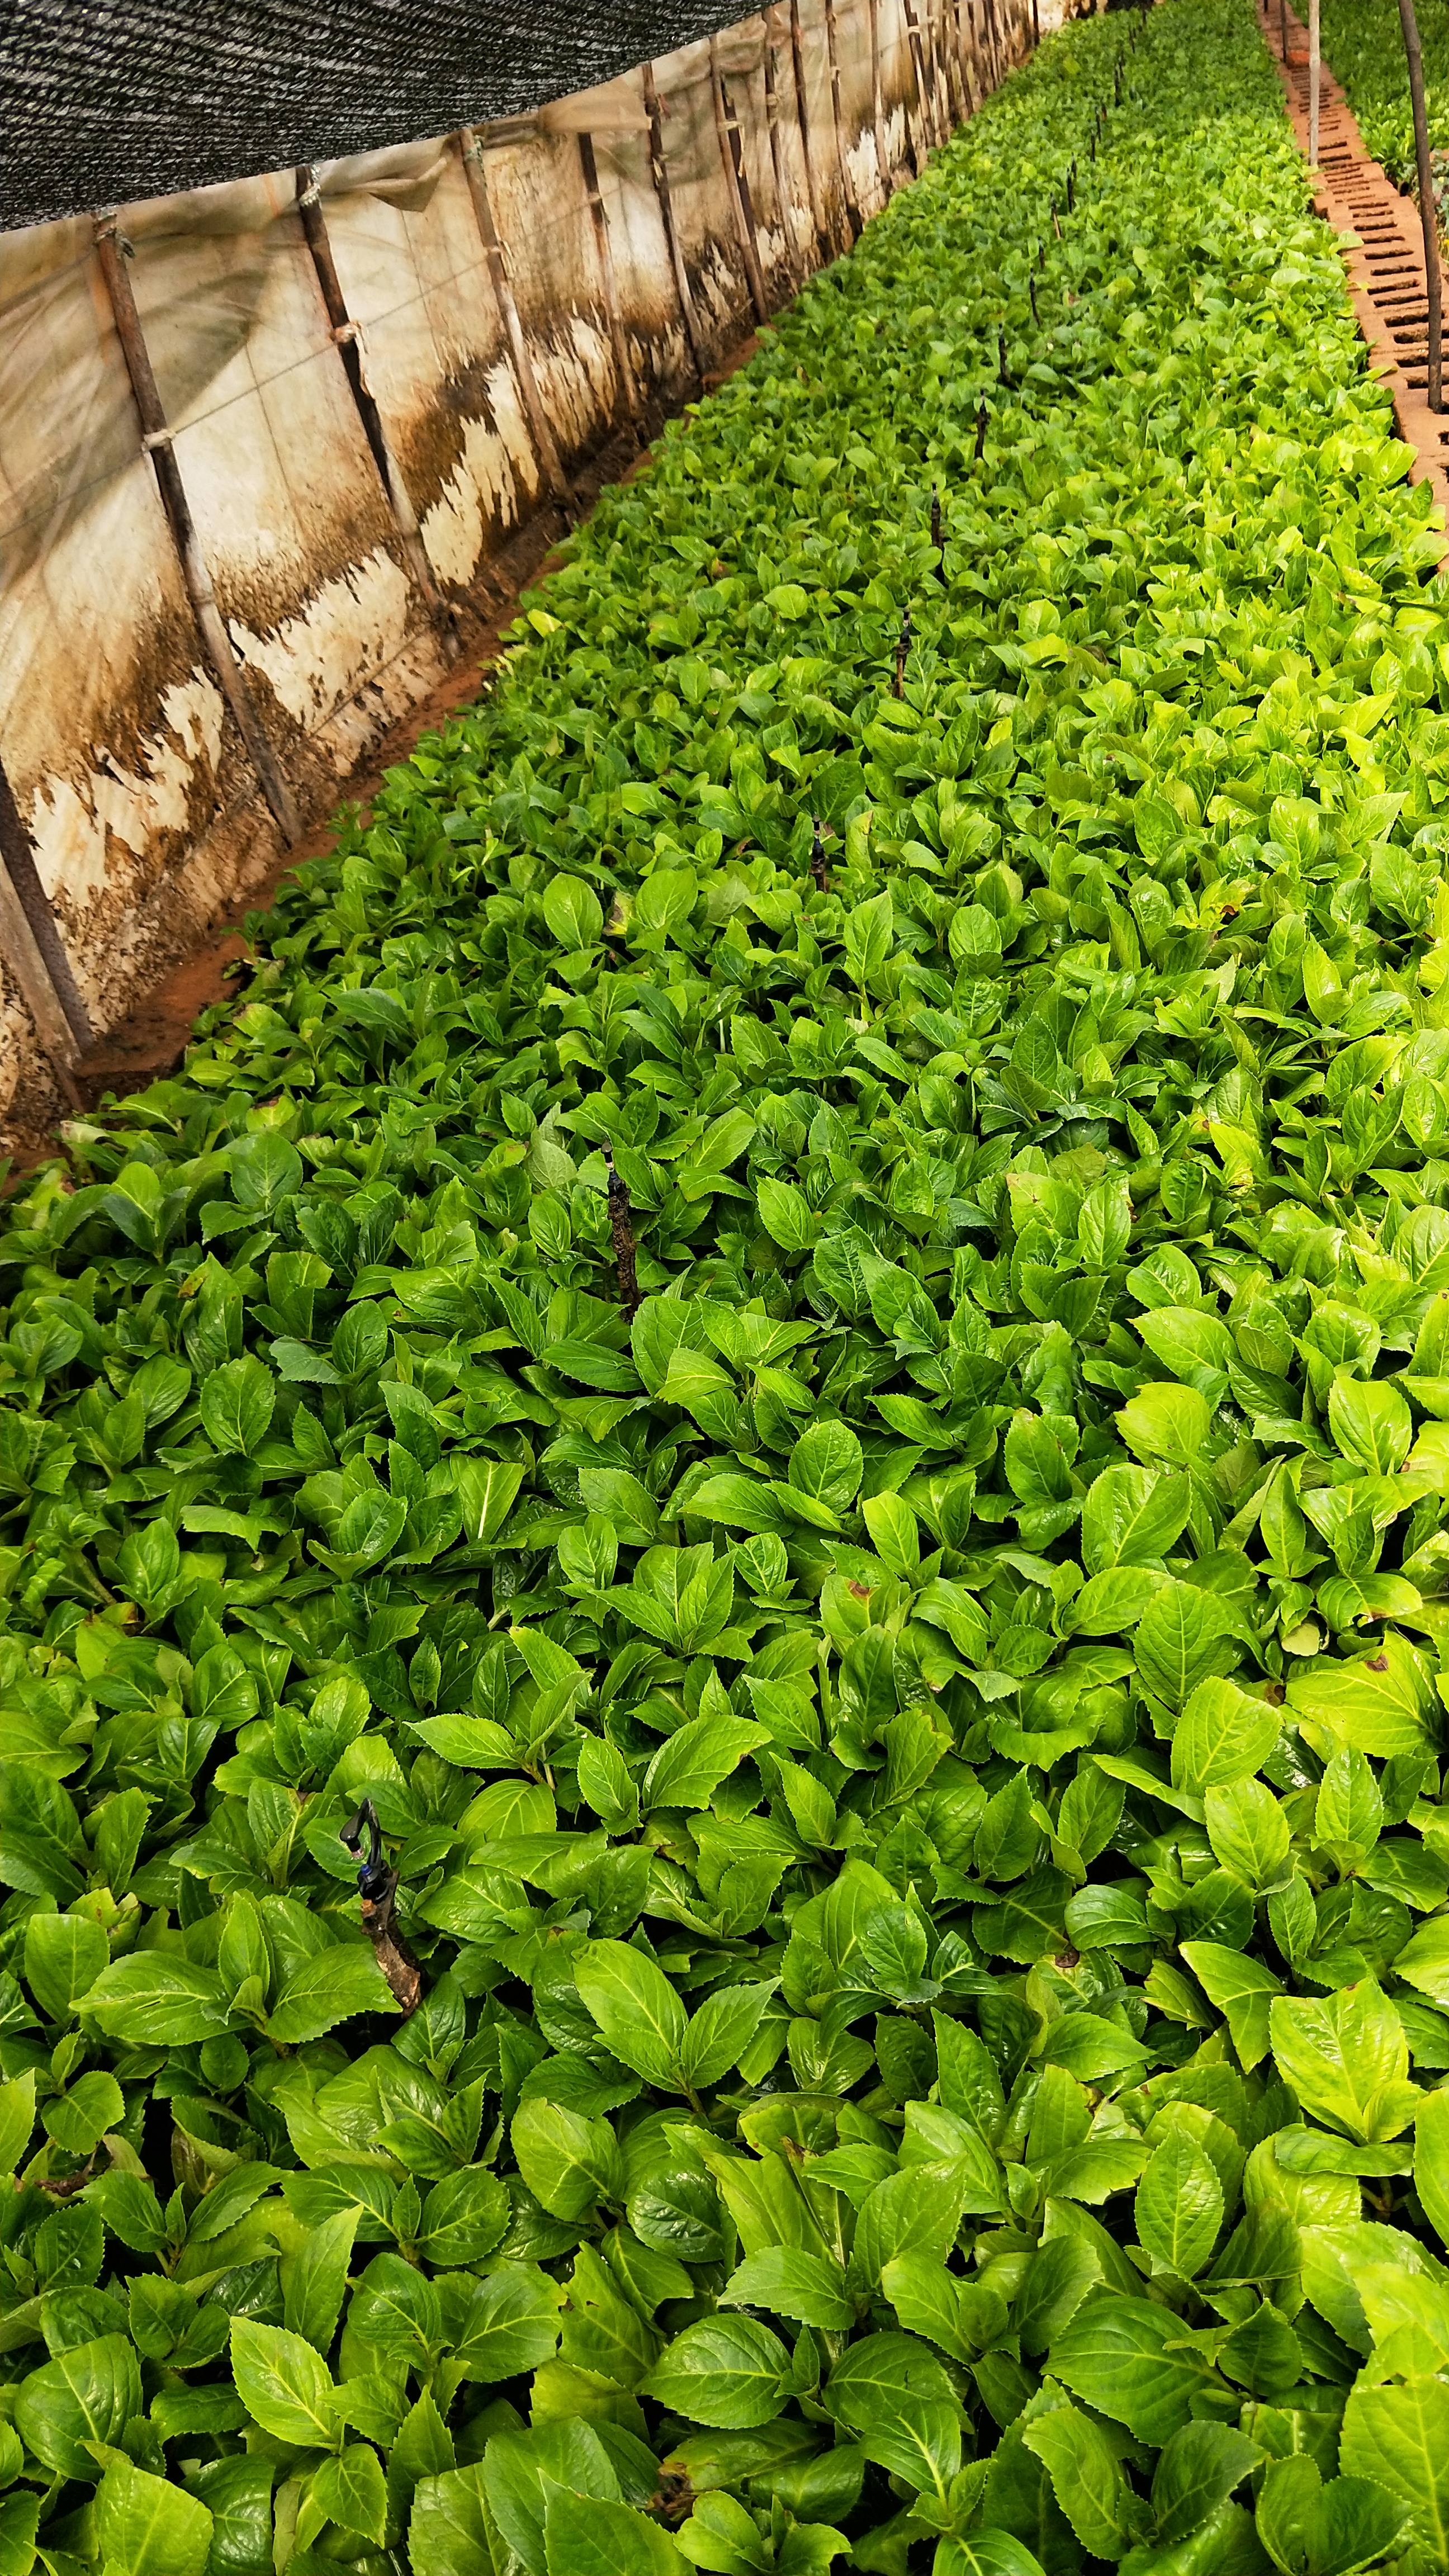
[[847, 1438], [1363, 43]]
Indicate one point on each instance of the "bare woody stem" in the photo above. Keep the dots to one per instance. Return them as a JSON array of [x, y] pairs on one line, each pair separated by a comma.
[[622, 1228]]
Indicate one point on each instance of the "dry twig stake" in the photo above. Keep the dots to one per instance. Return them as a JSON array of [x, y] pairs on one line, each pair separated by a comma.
[[621, 1226], [981, 431], [938, 533], [1031, 290], [1002, 369], [903, 646], [817, 859], [1428, 215], [378, 1885]]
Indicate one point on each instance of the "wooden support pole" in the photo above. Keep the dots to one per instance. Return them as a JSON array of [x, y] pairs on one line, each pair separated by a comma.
[[966, 55], [609, 286], [1315, 81], [877, 112], [853, 216], [918, 151], [25, 964], [550, 468], [737, 185], [778, 165], [347, 339], [1428, 216], [654, 110], [951, 65], [824, 248], [18, 858], [156, 441]]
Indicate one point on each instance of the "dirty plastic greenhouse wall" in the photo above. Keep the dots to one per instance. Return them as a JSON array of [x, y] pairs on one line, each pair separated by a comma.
[[140, 793]]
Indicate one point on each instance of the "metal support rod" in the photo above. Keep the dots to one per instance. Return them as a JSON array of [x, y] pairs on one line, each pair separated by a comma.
[[1315, 82], [156, 439], [737, 183], [779, 170], [824, 248], [19, 861], [348, 343], [550, 468], [1427, 214], [877, 113], [653, 108], [853, 216], [628, 384]]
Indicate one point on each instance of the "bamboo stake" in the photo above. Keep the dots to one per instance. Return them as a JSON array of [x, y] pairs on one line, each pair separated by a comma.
[[877, 114], [918, 147], [1427, 215], [1315, 81], [737, 185], [18, 858], [823, 246], [156, 441], [853, 215], [346, 339], [25, 964], [550, 468], [623, 370], [654, 110], [778, 166]]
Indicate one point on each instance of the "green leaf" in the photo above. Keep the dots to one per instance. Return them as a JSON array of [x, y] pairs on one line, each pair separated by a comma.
[[327, 1988], [448, 2531], [1129, 2361], [807, 2288], [1086, 2480], [636, 2010], [145, 2524], [727, 2371], [588, 2536], [351, 2491], [1179, 2207], [1398, 2438], [315, 2283], [1222, 1736], [1310, 2529], [688, 1768], [283, 2383], [236, 1406], [1242, 1988], [155, 2000], [87, 2394], [64, 1955], [720, 2033], [1131, 1516], [1347, 2059], [1198, 2470]]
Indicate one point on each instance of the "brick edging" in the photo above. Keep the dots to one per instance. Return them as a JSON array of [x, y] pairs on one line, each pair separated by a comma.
[[1382, 245]]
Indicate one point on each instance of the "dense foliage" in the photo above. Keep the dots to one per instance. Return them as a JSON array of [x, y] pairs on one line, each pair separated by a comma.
[[1363, 42], [911, 1759]]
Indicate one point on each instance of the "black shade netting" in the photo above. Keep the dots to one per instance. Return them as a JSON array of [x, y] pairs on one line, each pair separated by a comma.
[[105, 102]]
